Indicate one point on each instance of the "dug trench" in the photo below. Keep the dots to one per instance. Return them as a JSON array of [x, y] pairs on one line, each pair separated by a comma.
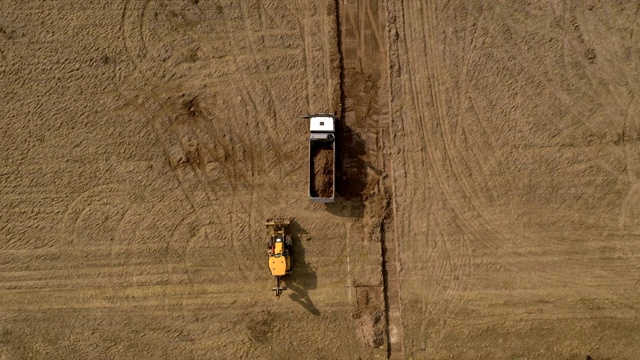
[[365, 178]]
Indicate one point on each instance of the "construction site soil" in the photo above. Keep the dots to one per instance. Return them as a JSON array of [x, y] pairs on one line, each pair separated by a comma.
[[488, 166]]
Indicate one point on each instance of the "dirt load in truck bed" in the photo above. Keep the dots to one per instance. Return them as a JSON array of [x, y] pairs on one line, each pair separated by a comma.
[[322, 165]]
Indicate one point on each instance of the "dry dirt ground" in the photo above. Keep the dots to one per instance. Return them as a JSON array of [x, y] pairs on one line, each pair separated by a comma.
[[488, 179]]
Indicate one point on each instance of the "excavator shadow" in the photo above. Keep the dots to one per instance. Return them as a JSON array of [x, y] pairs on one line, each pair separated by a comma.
[[303, 276]]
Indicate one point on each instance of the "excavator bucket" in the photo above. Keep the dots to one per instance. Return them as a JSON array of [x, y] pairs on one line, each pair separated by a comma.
[[279, 222]]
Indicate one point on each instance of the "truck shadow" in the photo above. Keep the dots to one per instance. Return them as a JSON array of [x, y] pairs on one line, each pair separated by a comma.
[[303, 278], [351, 173]]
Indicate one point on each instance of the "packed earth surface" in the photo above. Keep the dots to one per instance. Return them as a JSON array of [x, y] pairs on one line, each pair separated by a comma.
[[487, 179]]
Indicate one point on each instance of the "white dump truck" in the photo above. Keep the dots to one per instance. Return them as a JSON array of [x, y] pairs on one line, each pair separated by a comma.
[[322, 157]]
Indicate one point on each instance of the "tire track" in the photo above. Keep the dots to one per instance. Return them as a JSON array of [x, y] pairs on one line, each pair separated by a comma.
[[78, 218], [306, 35], [249, 89], [578, 113], [563, 129], [439, 173], [128, 15], [427, 143], [436, 71], [163, 61], [564, 277], [188, 180], [473, 219], [484, 139], [202, 181], [172, 135], [250, 34], [471, 215]]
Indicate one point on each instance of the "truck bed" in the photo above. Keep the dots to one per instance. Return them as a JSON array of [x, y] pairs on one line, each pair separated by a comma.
[[322, 167]]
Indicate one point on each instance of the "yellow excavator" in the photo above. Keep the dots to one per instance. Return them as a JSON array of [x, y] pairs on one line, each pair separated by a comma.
[[280, 250]]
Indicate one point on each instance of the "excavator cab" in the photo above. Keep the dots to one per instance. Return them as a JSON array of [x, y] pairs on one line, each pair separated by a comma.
[[280, 244], [279, 258]]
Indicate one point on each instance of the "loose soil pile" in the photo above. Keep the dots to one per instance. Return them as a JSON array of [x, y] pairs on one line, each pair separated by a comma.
[[369, 316], [323, 167]]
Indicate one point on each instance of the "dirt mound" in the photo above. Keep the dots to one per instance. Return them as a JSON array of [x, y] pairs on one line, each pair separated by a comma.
[[371, 328], [322, 176], [261, 326], [369, 316]]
